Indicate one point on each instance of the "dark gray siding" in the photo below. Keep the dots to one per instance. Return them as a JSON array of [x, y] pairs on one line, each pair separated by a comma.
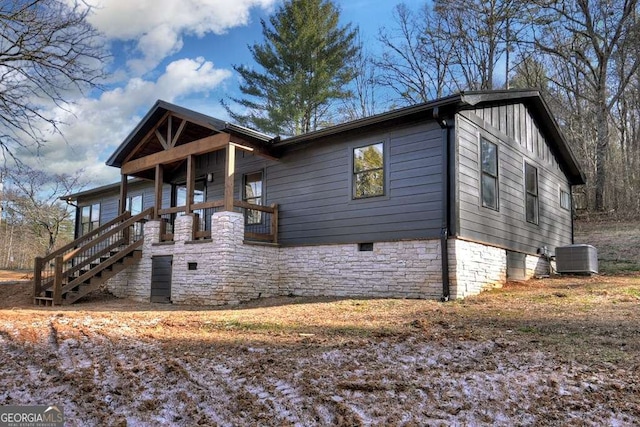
[[312, 185], [109, 200], [508, 227]]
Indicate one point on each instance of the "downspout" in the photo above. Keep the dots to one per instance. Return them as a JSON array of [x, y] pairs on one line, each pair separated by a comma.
[[444, 232], [572, 215]]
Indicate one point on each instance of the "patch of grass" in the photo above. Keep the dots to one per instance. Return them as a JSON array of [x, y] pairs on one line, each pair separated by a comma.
[[634, 292], [606, 266], [240, 326], [618, 244]]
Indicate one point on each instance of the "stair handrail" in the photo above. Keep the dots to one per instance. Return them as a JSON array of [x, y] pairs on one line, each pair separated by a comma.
[[84, 237], [81, 245]]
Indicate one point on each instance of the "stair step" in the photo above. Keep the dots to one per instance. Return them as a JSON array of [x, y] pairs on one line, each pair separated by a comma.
[[92, 283], [43, 301], [71, 294]]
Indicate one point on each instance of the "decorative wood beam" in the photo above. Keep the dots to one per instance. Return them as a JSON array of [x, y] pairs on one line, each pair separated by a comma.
[[169, 123], [178, 133], [254, 148], [195, 121], [181, 152], [158, 183], [161, 139], [146, 137], [242, 147], [191, 182], [123, 193], [230, 168]]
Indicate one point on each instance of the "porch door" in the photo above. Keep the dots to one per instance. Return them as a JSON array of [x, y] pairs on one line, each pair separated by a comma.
[[161, 278]]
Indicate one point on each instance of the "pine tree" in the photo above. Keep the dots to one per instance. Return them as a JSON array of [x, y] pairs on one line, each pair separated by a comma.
[[305, 65]]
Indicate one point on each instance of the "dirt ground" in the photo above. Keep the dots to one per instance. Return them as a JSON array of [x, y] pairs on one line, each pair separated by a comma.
[[549, 352]]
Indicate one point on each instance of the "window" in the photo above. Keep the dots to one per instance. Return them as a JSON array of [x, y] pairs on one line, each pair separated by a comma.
[[179, 199], [134, 204], [565, 200], [531, 187], [252, 193], [368, 171], [489, 184], [89, 218], [180, 194]]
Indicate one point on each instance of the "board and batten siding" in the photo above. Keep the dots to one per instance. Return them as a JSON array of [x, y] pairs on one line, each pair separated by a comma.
[[519, 140], [312, 184]]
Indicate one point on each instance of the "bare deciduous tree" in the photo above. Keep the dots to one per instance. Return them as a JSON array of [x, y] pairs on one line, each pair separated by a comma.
[[47, 51], [33, 201], [414, 65], [484, 35], [364, 101], [584, 41]]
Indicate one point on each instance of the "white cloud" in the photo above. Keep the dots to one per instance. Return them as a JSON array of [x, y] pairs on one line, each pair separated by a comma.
[[95, 127], [157, 26]]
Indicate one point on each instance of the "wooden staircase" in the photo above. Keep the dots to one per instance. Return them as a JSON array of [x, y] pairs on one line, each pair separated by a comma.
[[82, 266]]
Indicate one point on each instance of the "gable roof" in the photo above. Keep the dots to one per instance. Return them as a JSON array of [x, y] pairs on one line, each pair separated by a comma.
[[158, 111], [447, 106], [440, 108]]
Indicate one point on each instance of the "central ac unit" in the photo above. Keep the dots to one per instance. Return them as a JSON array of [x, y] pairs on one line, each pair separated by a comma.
[[577, 259]]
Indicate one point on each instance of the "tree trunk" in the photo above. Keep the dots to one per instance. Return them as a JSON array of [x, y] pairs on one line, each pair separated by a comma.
[[602, 149]]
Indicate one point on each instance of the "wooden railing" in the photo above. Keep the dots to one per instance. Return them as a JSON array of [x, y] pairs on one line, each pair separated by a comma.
[[54, 270], [167, 221], [202, 218], [261, 222]]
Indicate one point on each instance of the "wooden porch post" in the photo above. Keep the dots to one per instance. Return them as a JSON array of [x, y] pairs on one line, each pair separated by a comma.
[[57, 281], [37, 276], [191, 183], [123, 205], [123, 193], [230, 168], [274, 223], [158, 181]]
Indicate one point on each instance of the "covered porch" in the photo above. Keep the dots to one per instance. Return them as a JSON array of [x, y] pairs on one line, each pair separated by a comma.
[[192, 160]]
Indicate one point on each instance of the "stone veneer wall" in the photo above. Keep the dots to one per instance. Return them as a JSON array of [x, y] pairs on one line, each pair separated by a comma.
[[230, 270], [404, 269], [474, 267], [536, 266]]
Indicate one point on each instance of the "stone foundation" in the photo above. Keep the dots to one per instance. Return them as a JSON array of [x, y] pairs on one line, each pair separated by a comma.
[[536, 266], [406, 269], [227, 270], [474, 267]]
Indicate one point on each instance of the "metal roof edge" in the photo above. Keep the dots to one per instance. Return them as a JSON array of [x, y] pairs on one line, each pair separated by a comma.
[[102, 188], [371, 120]]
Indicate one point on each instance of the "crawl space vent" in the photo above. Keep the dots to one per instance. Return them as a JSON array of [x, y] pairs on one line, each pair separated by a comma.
[[581, 259]]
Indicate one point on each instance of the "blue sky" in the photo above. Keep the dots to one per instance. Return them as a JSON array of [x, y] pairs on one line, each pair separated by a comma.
[[178, 51]]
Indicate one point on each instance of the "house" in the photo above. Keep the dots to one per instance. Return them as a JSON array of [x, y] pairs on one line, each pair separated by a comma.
[[437, 200]]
